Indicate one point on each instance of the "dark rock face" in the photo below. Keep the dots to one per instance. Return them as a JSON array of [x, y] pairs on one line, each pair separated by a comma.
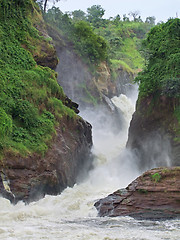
[[30, 178], [123, 81], [46, 56], [153, 133], [154, 195]]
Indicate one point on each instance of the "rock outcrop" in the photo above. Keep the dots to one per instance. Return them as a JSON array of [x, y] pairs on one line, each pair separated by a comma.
[[81, 83], [155, 195], [43, 50], [154, 132], [30, 178]]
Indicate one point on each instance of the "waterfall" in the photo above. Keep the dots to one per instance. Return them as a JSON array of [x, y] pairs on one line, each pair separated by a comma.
[[72, 215]]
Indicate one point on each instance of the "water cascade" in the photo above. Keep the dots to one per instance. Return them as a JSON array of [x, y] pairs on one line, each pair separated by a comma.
[[72, 214]]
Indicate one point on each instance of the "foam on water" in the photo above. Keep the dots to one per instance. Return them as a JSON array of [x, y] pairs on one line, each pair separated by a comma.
[[72, 214]]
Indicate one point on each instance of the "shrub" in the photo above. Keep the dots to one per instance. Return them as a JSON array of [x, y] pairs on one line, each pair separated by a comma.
[[27, 123], [156, 177], [162, 70], [171, 87], [5, 124]]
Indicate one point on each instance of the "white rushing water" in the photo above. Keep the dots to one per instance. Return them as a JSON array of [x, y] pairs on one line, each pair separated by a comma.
[[72, 214]]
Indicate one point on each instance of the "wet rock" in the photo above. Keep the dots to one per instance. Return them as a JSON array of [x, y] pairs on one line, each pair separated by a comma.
[[69, 103], [154, 132], [154, 195], [30, 178], [46, 56]]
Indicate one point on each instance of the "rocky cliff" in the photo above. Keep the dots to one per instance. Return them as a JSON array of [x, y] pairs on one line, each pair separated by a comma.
[[154, 195], [30, 178], [45, 145], [154, 132], [80, 81]]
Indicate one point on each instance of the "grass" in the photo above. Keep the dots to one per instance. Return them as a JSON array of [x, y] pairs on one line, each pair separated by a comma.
[[31, 101], [130, 55], [116, 64], [156, 177]]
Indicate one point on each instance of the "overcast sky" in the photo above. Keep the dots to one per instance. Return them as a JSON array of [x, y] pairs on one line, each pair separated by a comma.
[[161, 9]]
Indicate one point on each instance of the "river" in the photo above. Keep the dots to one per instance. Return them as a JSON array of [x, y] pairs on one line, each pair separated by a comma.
[[72, 215]]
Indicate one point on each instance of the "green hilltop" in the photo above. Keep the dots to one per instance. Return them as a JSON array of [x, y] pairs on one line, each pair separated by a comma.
[[30, 97]]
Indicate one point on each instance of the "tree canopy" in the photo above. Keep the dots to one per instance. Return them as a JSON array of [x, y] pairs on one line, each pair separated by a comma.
[[120, 38], [95, 14], [162, 72], [43, 3]]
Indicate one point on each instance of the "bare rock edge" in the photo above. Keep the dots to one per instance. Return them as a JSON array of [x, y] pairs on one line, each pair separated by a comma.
[[31, 178], [155, 195]]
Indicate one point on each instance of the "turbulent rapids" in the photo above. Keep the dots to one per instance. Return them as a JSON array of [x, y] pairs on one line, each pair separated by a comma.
[[72, 214]]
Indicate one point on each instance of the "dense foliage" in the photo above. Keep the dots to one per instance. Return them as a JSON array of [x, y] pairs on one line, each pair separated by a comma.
[[162, 71], [124, 40], [29, 94], [88, 45], [99, 39]]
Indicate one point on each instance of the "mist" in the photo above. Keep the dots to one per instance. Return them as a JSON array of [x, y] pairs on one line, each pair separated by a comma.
[[154, 151], [113, 164]]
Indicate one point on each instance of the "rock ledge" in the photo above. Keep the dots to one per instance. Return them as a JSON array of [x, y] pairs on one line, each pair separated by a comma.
[[154, 195]]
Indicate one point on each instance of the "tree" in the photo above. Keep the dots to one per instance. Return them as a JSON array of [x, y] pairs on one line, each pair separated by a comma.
[[54, 14], [89, 44], [44, 3], [125, 18], [150, 20], [162, 72], [79, 15], [95, 14], [136, 16], [117, 19]]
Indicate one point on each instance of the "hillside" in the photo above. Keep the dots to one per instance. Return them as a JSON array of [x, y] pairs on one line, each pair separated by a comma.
[[155, 127], [99, 56], [39, 127]]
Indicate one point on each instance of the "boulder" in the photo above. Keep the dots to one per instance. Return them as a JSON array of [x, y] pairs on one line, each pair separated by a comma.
[[154, 195]]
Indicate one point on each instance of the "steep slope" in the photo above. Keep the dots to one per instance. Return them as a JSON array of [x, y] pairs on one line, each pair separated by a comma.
[[75, 76], [154, 132], [43, 142], [154, 195], [94, 59]]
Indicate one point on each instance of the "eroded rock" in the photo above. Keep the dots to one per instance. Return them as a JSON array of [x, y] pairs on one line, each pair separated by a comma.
[[30, 178], [154, 195], [154, 132]]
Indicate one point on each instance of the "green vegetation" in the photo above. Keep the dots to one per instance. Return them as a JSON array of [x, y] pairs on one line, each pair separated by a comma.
[[96, 39], [124, 41], [162, 71], [142, 191], [90, 46], [156, 177], [30, 97], [161, 75]]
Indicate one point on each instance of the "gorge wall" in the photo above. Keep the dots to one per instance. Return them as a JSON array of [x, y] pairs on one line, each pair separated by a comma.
[[82, 84], [154, 134], [46, 155], [31, 177]]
